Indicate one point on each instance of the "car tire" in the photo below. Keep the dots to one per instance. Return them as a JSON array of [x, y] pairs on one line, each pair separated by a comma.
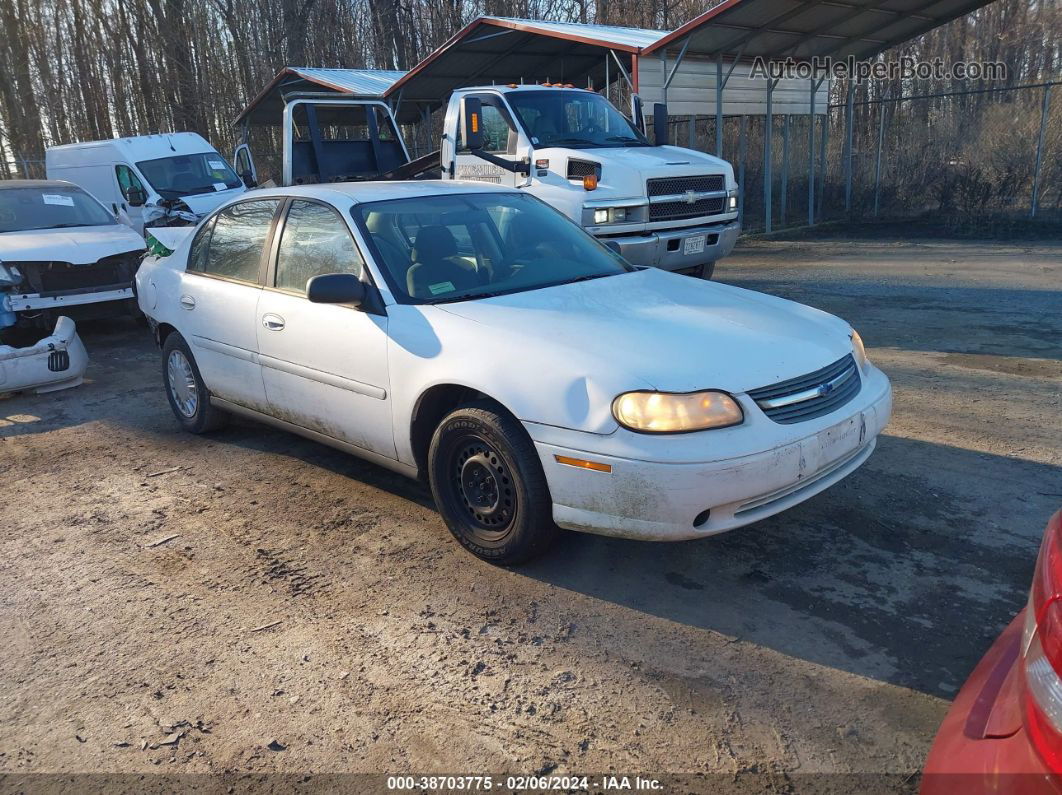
[[189, 398], [489, 486], [704, 271]]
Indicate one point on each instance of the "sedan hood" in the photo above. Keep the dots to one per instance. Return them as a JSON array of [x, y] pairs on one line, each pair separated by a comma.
[[81, 245], [675, 333]]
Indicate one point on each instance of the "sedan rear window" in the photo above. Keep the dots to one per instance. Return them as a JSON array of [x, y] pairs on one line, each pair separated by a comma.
[[234, 247]]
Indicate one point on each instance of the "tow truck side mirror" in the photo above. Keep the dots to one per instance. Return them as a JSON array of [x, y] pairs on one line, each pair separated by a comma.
[[473, 139], [473, 123], [660, 131]]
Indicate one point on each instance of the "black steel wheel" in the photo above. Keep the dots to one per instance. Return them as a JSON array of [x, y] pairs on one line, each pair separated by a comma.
[[489, 486]]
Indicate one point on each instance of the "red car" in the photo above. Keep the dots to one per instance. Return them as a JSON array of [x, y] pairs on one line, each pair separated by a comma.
[[1003, 734]]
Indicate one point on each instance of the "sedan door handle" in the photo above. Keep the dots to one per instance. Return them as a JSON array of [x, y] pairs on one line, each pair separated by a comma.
[[273, 322], [187, 302]]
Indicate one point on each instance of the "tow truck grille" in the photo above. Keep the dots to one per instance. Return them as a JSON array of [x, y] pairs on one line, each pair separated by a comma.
[[679, 210], [667, 185], [812, 395], [680, 198]]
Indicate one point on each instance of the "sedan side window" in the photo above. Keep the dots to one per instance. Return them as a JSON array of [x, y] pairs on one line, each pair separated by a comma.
[[240, 232], [200, 243], [315, 241]]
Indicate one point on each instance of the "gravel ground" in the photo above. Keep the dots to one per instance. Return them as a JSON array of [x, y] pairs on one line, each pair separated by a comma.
[[254, 602]]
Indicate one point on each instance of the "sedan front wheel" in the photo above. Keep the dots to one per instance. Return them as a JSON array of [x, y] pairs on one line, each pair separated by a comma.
[[489, 485]]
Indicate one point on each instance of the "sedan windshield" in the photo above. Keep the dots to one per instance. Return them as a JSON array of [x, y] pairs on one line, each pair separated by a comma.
[[188, 175], [51, 207], [580, 119], [435, 249]]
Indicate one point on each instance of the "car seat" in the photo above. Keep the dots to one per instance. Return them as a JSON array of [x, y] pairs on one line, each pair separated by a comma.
[[435, 262]]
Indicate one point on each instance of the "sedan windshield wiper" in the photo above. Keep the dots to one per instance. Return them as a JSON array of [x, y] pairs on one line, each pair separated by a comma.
[[61, 226], [588, 277]]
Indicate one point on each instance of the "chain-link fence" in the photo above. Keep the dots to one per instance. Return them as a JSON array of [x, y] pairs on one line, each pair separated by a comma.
[[982, 161], [24, 168]]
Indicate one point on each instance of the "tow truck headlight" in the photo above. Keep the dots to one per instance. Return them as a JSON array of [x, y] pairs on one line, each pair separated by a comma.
[[732, 200], [613, 215], [859, 352], [669, 412]]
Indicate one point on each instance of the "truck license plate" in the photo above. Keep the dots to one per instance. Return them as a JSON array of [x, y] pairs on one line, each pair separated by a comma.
[[693, 245]]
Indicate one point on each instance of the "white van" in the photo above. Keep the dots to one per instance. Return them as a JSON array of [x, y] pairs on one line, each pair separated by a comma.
[[157, 180]]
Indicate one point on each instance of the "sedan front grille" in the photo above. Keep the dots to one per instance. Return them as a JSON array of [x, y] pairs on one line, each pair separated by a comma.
[[812, 395], [64, 278], [704, 183]]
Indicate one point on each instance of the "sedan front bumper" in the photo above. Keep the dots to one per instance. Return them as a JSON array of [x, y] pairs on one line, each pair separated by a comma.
[[662, 501], [56, 362]]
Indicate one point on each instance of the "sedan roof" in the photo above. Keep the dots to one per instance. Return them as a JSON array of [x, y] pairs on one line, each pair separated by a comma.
[[8, 184], [361, 192]]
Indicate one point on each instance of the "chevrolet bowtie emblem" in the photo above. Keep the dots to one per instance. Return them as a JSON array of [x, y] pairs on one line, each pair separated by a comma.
[[691, 197]]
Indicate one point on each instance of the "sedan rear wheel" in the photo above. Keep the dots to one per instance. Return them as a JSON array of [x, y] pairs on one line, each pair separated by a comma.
[[188, 395]]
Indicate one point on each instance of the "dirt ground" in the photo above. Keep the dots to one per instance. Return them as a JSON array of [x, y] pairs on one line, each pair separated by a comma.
[[254, 602]]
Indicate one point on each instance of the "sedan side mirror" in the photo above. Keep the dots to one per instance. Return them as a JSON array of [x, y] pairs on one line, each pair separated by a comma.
[[336, 288]]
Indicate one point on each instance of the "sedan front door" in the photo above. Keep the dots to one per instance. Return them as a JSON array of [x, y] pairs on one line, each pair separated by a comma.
[[324, 365]]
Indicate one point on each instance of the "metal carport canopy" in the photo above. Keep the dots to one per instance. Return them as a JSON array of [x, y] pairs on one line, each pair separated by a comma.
[[504, 50], [804, 29], [267, 107]]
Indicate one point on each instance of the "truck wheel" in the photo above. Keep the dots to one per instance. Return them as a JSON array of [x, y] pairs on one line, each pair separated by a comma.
[[705, 271], [489, 486], [189, 398]]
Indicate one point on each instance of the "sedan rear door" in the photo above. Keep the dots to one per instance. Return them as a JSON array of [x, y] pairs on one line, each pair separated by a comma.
[[219, 296]]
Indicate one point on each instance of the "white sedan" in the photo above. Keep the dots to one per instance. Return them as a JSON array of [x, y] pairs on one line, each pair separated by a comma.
[[474, 337]]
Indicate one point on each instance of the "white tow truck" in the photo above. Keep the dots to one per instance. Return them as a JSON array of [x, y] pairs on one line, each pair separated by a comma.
[[664, 206], [658, 205]]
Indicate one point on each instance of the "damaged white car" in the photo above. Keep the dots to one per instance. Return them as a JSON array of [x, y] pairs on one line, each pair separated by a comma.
[[64, 253], [475, 337]]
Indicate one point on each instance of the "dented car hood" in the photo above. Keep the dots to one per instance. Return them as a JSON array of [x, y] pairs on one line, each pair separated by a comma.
[[670, 332], [82, 245]]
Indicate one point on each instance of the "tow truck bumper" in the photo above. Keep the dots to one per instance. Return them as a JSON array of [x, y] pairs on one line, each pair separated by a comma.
[[667, 248]]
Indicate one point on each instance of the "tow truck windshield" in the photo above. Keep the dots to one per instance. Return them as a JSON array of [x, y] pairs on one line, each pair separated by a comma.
[[577, 119]]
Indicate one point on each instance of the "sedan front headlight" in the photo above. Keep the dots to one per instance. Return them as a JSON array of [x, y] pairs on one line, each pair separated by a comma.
[[667, 412], [859, 352]]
